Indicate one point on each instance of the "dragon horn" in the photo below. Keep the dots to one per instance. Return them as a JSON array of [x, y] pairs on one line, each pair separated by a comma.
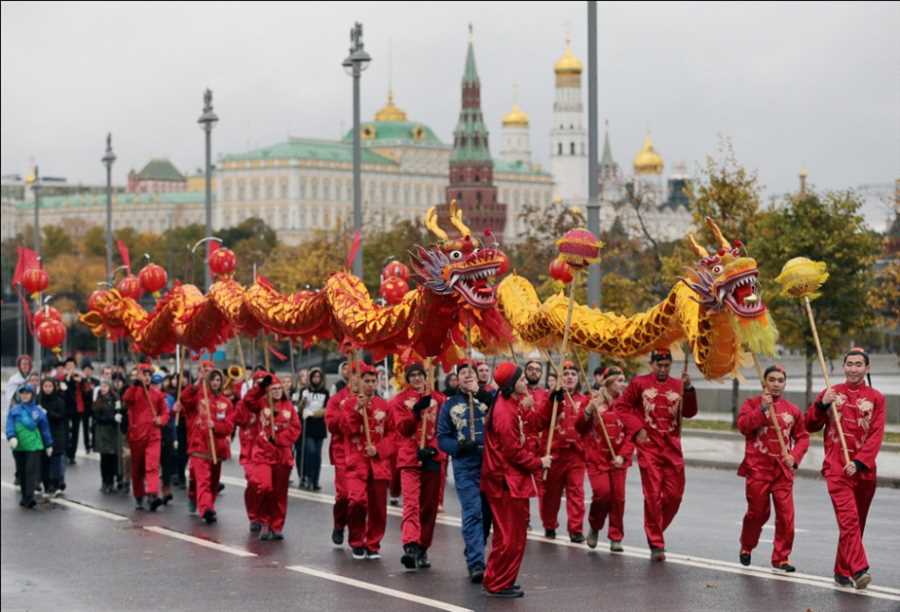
[[431, 222], [456, 219], [698, 250], [720, 238]]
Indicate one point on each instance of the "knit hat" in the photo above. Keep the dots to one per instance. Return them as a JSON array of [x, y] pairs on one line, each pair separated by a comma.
[[465, 363], [276, 382], [156, 379], [660, 354], [568, 364], [26, 389], [412, 369], [145, 367], [365, 368], [506, 374]]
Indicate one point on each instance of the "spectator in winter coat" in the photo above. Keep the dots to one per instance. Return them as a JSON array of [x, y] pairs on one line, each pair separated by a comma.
[[29, 437], [311, 403], [107, 410], [51, 400]]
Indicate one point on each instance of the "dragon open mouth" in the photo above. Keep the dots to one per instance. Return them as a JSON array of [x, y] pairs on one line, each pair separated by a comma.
[[741, 295], [475, 285]]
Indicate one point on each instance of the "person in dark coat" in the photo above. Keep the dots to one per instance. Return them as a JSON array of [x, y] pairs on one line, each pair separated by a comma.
[[312, 401], [107, 409], [51, 400]]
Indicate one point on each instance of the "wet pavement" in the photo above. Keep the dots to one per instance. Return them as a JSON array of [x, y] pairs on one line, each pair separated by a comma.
[[95, 552]]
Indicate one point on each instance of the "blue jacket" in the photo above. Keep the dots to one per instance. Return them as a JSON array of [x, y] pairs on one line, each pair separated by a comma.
[[453, 426], [31, 417]]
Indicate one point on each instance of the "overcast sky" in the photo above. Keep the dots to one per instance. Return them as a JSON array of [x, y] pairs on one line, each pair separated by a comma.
[[791, 84]]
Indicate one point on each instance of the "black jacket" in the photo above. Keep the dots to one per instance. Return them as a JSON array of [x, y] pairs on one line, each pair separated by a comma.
[[55, 406]]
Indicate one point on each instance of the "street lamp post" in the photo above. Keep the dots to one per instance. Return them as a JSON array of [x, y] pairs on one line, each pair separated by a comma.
[[36, 187], [108, 159], [593, 204], [208, 119], [356, 62]]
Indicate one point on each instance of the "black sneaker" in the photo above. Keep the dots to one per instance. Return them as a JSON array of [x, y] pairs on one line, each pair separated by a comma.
[[476, 573], [422, 561], [210, 517], [657, 554], [861, 580], [576, 538], [616, 546], [265, 535], [221, 487], [316, 488], [167, 499], [509, 593], [359, 553], [337, 536], [139, 503], [785, 567], [373, 555], [843, 581], [277, 536], [410, 555], [550, 533], [155, 502], [744, 557], [255, 527]]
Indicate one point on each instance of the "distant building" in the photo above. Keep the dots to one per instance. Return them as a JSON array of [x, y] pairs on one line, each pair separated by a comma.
[[158, 176]]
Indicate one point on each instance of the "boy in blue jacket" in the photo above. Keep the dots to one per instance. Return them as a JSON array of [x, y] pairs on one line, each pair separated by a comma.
[[28, 433]]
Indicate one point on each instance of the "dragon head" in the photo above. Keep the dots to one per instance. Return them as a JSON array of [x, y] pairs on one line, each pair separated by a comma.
[[726, 279], [462, 266]]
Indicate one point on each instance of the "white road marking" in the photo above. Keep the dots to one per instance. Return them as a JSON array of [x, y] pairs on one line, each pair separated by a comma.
[[425, 601], [200, 541], [76, 506]]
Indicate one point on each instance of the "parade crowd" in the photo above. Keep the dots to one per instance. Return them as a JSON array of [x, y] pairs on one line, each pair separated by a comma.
[[510, 433]]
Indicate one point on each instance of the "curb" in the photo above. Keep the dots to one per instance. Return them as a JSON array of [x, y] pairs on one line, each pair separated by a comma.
[[881, 481]]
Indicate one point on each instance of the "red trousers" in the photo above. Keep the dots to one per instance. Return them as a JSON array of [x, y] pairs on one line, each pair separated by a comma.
[[566, 471], [251, 498], [145, 466], [341, 497], [508, 544], [271, 484], [367, 511], [420, 503], [663, 485], [851, 498], [396, 487], [207, 476], [443, 484], [781, 491], [608, 499]]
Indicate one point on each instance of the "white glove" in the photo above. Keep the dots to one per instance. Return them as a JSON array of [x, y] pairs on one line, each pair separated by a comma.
[[118, 418], [13, 443], [118, 405], [295, 397], [63, 386], [49, 451]]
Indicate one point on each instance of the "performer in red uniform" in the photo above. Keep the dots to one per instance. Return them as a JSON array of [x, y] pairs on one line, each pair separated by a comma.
[[769, 470], [334, 408], [211, 420], [508, 472], [660, 402], [189, 394], [147, 413], [272, 457], [533, 415], [568, 458], [248, 422], [607, 469], [414, 412], [368, 465], [851, 485]]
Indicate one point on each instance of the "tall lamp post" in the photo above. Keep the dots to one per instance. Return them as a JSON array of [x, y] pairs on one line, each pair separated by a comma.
[[356, 62], [593, 204], [208, 119], [108, 159], [36, 187]]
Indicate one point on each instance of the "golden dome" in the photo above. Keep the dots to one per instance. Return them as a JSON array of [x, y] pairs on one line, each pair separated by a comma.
[[390, 112], [568, 63], [515, 117], [648, 161]]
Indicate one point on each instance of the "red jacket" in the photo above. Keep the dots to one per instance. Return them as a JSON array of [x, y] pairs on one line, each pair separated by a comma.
[[141, 413], [381, 428], [220, 419], [408, 429], [862, 418], [656, 405], [762, 451], [621, 428], [278, 429], [247, 420], [535, 420], [333, 410], [507, 462], [567, 436]]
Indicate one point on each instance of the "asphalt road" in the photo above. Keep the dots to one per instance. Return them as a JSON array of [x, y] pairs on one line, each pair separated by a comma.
[[94, 552]]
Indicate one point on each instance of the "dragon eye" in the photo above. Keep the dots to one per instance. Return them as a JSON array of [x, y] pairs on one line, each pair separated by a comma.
[[456, 255], [717, 269], [475, 251]]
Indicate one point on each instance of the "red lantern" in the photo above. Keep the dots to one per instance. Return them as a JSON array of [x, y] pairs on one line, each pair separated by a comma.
[[51, 333], [46, 314], [393, 289], [130, 287], [35, 280], [96, 296], [561, 270], [153, 278], [579, 248], [222, 261], [395, 269]]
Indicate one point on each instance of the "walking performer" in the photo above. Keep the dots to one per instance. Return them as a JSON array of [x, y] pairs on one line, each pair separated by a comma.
[[608, 448], [368, 445], [272, 457], [849, 465], [147, 414], [567, 451], [771, 458], [660, 402], [192, 393], [211, 418], [248, 421], [415, 411], [337, 455], [461, 435], [507, 479]]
